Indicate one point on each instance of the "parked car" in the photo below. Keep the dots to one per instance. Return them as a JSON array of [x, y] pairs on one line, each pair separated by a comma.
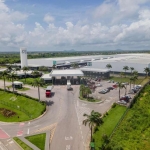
[[110, 88], [104, 91], [98, 85], [131, 92], [125, 98], [122, 102]]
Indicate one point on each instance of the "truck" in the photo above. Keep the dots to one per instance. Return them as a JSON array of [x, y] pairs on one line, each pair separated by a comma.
[[48, 92], [69, 85]]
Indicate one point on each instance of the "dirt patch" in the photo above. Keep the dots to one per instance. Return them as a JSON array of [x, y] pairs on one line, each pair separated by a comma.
[[7, 113]]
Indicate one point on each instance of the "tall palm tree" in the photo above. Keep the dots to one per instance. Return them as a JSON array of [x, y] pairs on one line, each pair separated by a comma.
[[122, 74], [87, 91], [146, 70], [74, 65], [82, 88], [125, 68], [9, 68], [4, 75], [131, 80], [12, 76], [135, 77], [38, 83], [131, 68], [135, 73], [108, 66], [94, 119], [25, 69], [120, 86]]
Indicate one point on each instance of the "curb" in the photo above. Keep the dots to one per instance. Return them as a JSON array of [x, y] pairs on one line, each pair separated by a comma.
[[26, 121], [17, 144], [91, 102]]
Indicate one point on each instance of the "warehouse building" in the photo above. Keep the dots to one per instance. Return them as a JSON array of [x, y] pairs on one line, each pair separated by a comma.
[[137, 61]]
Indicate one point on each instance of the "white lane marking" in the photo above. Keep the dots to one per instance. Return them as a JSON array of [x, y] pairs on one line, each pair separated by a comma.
[[28, 131], [68, 138], [67, 147], [28, 123], [11, 142]]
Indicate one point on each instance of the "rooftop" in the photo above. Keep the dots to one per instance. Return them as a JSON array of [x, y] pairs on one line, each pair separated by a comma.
[[67, 72]]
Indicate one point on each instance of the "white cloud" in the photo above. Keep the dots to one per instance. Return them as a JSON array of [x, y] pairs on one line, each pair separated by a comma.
[[113, 24], [48, 18]]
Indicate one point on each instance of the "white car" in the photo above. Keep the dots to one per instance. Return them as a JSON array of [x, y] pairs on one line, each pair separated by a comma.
[[122, 102], [98, 85]]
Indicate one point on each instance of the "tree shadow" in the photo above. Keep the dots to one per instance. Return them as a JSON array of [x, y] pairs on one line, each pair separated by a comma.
[[49, 103]]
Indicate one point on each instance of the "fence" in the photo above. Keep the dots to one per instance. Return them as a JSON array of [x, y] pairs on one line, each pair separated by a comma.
[[128, 108]]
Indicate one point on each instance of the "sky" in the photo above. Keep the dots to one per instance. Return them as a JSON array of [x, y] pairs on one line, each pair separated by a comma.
[[82, 25]]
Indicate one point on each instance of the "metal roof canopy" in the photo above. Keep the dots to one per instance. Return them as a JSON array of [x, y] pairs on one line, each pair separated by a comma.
[[67, 72], [95, 70]]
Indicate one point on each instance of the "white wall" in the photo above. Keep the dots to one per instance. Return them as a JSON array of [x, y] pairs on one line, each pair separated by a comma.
[[23, 57]]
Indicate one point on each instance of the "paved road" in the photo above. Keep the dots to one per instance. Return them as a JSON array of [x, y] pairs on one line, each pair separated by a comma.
[[65, 111]]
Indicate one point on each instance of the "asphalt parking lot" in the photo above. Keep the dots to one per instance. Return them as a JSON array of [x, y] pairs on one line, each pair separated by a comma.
[[112, 94]]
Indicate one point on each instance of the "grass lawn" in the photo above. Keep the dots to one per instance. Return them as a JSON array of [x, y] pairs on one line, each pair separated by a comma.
[[134, 130], [110, 121], [141, 80], [28, 80], [22, 144], [31, 106], [38, 140]]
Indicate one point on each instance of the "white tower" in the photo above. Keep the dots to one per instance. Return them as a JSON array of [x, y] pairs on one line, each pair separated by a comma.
[[23, 57]]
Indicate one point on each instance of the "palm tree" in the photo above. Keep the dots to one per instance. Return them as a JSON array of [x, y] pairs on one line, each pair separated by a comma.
[[135, 77], [12, 76], [25, 69], [108, 66], [131, 80], [82, 87], [74, 65], [4, 76], [146, 70], [135, 73], [9, 68], [120, 86], [38, 83], [94, 119], [125, 68], [131, 68], [87, 91], [122, 74]]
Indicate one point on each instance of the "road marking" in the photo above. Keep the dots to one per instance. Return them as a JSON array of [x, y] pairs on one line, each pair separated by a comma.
[[68, 138], [11, 142], [20, 133], [28, 131], [67, 147], [3, 134], [84, 104], [28, 123]]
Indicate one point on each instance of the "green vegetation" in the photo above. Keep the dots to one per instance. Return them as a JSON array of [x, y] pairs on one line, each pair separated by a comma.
[[134, 130], [28, 80], [22, 144], [38, 140], [24, 107], [110, 120], [84, 94], [127, 79], [93, 120]]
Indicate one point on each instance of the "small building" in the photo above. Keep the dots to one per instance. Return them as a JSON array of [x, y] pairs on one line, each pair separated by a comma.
[[17, 84], [47, 78], [95, 72]]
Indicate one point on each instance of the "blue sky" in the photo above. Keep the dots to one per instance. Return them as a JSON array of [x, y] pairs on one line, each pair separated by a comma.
[[80, 25]]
